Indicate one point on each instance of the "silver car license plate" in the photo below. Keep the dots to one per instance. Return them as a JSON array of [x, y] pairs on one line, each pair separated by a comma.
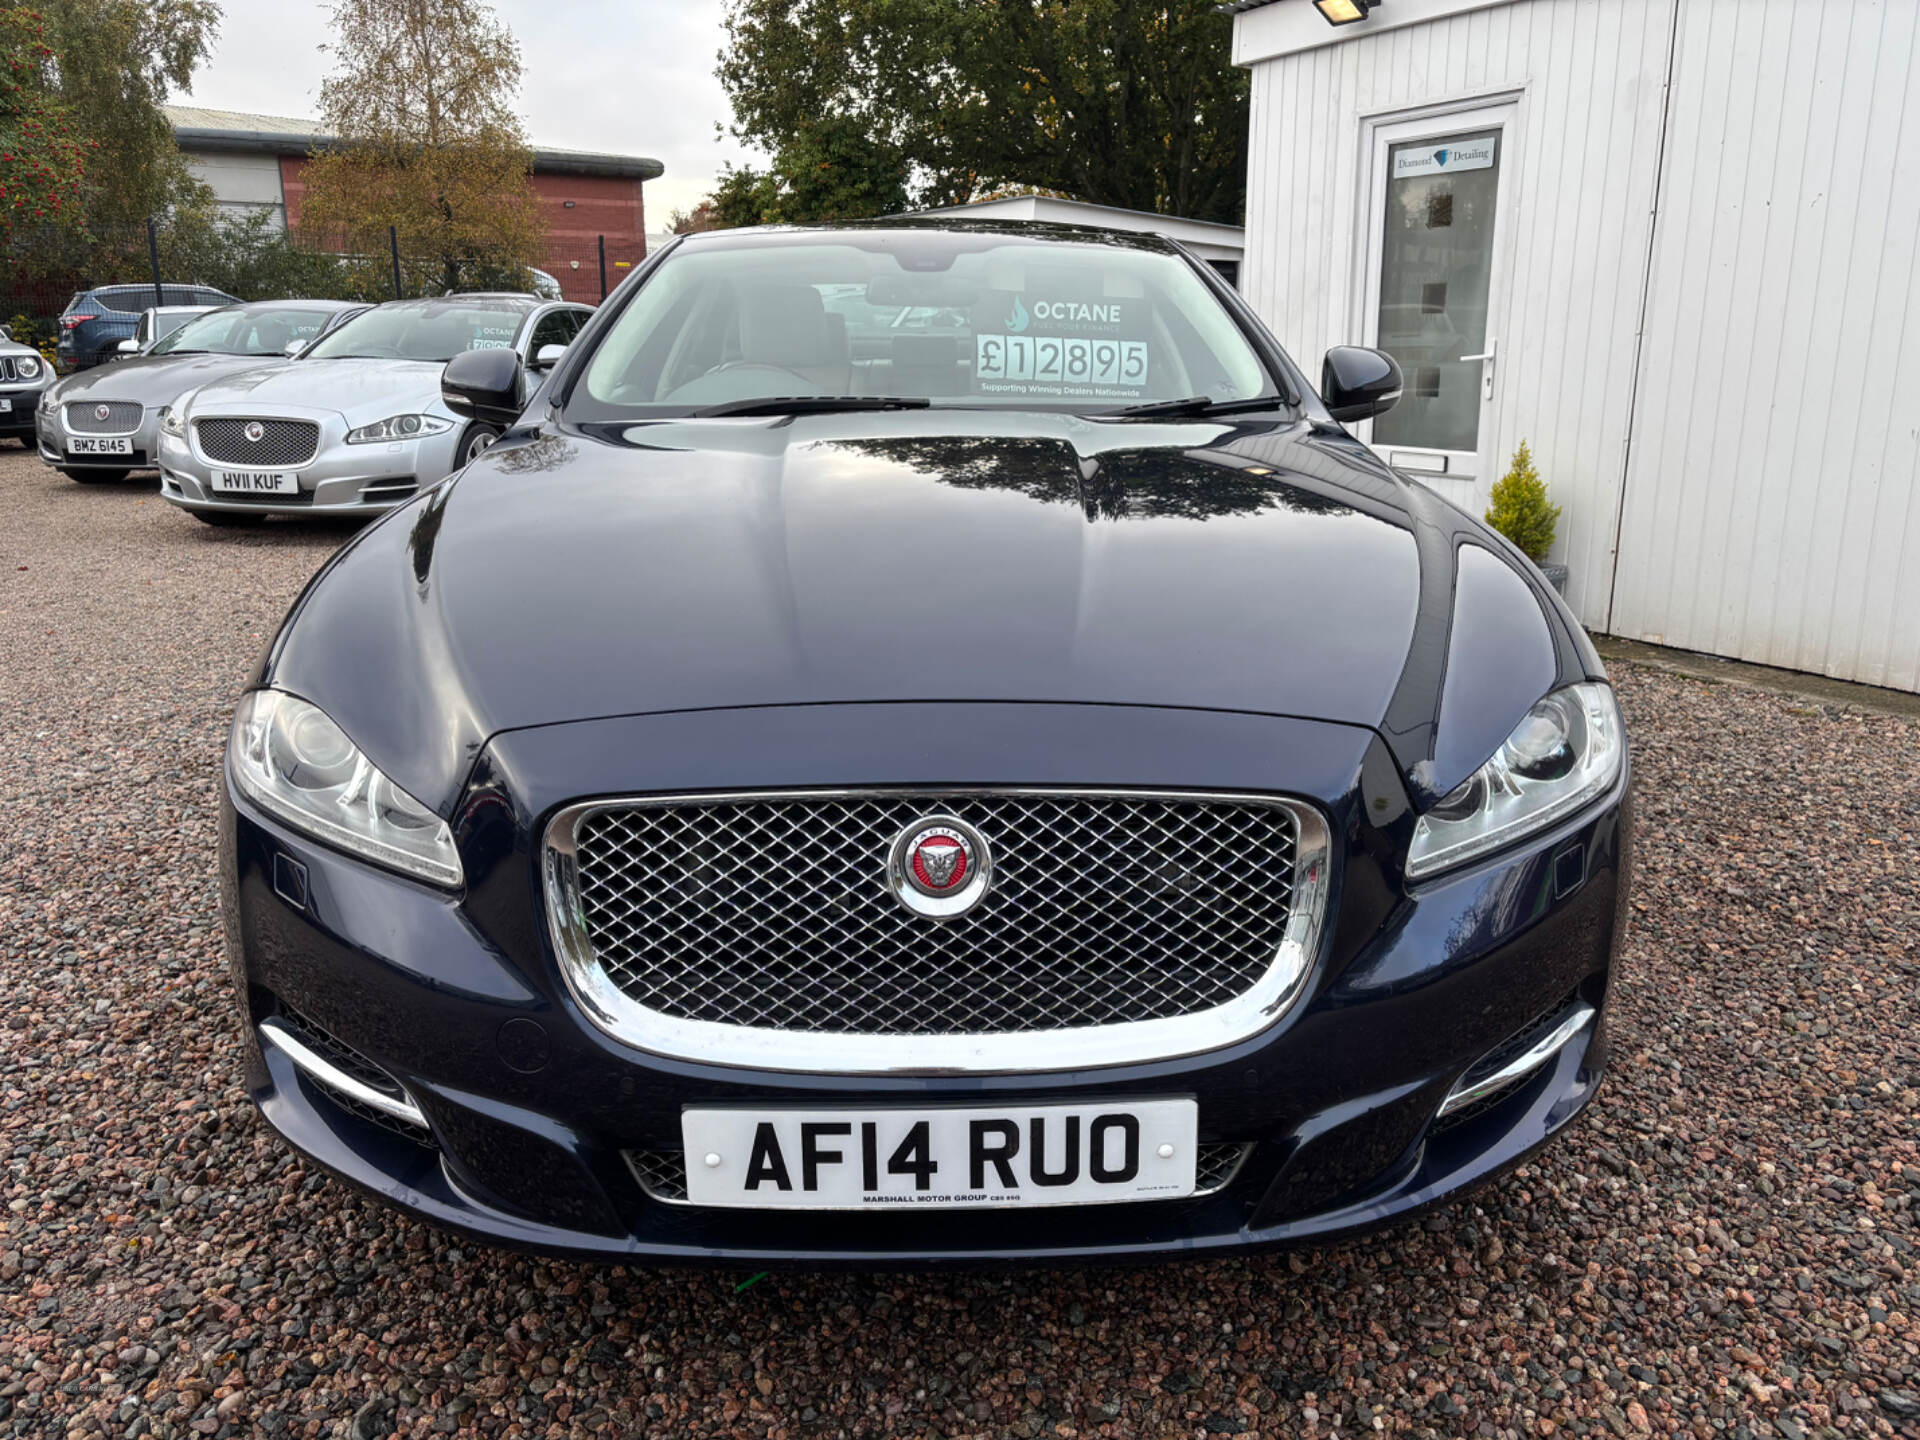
[[256, 482], [100, 445], [941, 1158]]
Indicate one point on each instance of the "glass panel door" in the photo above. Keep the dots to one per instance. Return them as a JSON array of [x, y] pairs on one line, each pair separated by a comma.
[[1436, 214]]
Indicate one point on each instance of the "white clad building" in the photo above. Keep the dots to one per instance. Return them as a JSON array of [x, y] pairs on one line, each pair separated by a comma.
[[1671, 244]]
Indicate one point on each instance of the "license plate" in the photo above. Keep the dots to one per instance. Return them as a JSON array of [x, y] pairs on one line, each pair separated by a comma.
[[100, 445], [938, 1159], [256, 482]]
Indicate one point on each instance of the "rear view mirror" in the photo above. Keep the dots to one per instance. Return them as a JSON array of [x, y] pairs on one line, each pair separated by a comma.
[[483, 385], [1357, 383]]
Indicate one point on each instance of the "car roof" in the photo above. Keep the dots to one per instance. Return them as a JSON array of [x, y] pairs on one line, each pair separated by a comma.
[[1038, 230], [297, 304], [492, 299]]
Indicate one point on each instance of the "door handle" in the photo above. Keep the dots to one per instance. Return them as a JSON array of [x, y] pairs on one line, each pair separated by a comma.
[[1486, 357]]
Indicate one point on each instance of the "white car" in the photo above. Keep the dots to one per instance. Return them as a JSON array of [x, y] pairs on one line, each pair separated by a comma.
[[156, 323], [356, 425]]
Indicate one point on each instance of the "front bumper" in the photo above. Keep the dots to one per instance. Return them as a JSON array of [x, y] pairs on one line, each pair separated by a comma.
[[144, 438], [23, 400], [341, 479], [533, 1112]]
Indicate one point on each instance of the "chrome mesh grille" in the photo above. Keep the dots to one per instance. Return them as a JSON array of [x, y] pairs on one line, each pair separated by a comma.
[[281, 442], [775, 913], [84, 418]]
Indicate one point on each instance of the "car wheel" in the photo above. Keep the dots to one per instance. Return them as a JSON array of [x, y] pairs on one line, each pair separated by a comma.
[[476, 439], [225, 518], [88, 476]]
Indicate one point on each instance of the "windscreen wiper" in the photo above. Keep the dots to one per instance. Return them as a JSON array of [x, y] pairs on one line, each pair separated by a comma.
[[814, 404], [1195, 405]]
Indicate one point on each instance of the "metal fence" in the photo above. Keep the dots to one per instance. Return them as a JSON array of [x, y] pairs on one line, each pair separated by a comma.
[[252, 258]]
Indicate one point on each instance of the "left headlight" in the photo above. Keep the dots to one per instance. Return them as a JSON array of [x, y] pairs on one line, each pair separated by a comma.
[[291, 760], [173, 420], [27, 367], [1566, 753], [399, 427]]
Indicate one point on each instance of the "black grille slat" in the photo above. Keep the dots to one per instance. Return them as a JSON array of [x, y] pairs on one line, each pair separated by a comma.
[[281, 442], [663, 1173], [776, 914], [122, 417]]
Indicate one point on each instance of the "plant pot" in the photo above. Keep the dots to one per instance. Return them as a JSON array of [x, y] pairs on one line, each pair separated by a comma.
[[1556, 577]]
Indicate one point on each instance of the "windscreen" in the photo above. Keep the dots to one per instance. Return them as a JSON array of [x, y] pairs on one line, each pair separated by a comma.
[[261, 331], [428, 330], [953, 317]]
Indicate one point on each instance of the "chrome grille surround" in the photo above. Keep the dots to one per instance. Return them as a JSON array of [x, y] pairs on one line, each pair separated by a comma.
[[122, 417], [282, 443], [1217, 952]]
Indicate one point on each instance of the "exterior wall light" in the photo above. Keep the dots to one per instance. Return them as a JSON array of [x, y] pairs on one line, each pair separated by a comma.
[[1343, 12]]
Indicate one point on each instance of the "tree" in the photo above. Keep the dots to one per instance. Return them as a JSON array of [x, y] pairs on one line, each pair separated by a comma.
[[1521, 510], [116, 61], [827, 170], [42, 160], [1118, 102], [421, 100]]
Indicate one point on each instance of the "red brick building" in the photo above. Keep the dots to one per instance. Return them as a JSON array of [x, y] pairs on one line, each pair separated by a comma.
[[254, 162]]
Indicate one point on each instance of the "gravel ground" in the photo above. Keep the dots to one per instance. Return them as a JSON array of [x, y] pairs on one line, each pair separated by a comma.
[[1725, 1247]]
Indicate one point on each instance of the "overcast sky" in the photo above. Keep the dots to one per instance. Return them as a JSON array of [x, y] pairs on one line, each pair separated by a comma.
[[634, 77]]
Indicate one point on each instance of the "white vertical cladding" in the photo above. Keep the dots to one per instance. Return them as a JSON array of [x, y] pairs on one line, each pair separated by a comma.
[[1590, 76], [1773, 504]]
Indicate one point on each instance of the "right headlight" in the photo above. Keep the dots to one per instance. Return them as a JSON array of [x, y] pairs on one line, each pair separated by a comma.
[[1566, 753], [173, 419], [27, 367], [292, 761]]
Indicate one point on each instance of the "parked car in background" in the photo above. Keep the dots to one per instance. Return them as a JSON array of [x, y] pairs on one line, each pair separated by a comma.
[[356, 425], [101, 423], [97, 320], [155, 322], [1045, 792], [24, 377]]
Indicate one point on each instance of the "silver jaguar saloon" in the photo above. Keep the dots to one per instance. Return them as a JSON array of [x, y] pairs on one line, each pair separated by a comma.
[[356, 425]]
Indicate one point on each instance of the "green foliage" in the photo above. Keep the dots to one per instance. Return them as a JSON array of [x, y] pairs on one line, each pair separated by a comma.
[[42, 159], [117, 60], [870, 106], [42, 337], [827, 170], [1521, 510]]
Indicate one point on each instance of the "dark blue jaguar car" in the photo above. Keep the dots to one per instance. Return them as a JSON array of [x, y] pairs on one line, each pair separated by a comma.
[[990, 773]]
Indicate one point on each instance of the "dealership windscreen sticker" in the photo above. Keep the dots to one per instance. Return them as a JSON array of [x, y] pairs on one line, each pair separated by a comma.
[[1061, 347]]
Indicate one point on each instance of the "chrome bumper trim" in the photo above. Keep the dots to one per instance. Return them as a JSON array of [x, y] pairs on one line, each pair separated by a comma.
[[334, 1078], [1522, 1065]]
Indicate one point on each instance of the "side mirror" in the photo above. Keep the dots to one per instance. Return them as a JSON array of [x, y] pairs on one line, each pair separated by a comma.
[[294, 347], [1357, 383], [128, 347], [483, 385], [6, 332], [548, 356]]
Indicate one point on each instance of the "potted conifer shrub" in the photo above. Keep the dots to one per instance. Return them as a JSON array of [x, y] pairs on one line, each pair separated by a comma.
[[1522, 512]]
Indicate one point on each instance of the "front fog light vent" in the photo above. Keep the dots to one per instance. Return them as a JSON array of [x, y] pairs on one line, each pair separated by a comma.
[[348, 1078], [1516, 1058]]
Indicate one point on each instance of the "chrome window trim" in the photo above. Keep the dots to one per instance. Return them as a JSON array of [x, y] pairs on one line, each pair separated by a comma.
[[1014, 1052], [1522, 1065], [328, 1074]]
